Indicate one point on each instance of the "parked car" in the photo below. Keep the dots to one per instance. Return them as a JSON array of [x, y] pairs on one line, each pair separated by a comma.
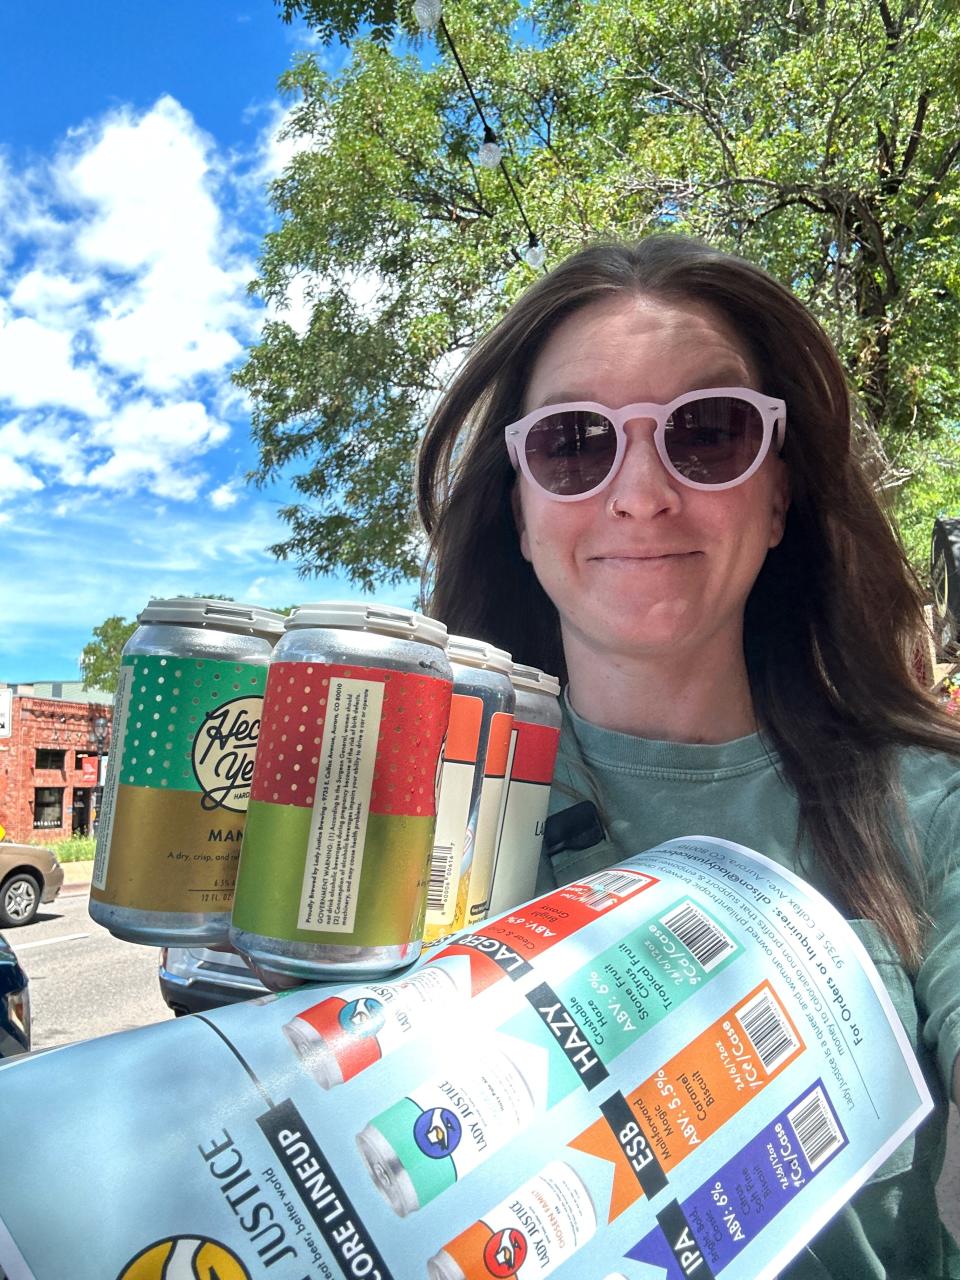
[[193, 980], [29, 875], [14, 1004]]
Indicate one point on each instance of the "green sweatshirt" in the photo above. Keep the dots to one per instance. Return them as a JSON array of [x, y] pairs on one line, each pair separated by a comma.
[[648, 792]]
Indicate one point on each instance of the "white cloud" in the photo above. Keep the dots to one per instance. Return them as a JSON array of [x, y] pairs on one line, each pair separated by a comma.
[[46, 443], [149, 186], [18, 479], [126, 309], [144, 179], [148, 444], [37, 368], [224, 496], [23, 210], [55, 300], [164, 336], [274, 151], [125, 257], [297, 306]]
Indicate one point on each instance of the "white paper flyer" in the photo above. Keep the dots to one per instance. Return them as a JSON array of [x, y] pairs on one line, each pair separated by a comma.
[[680, 1067]]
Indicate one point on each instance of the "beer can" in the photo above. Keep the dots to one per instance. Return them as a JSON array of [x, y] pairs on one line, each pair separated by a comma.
[[442, 1130], [471, 783], [530, 1234], [186, 725], [336, 852], [526, 796], [344, 1034]]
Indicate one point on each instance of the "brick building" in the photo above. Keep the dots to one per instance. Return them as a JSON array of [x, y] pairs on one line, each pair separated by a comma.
[[53, 742]]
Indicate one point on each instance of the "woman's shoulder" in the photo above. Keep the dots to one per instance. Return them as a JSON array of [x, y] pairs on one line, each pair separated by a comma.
[[924, 770], [931, 789]]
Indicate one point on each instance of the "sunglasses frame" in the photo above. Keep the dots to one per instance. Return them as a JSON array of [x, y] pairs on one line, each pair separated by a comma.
[[773, 413]]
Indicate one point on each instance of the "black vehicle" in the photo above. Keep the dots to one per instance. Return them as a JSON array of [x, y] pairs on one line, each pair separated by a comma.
[[14, 1004], [195, 980], [945, 581]]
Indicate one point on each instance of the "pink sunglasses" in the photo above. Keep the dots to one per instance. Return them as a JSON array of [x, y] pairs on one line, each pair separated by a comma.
[[710, 439]]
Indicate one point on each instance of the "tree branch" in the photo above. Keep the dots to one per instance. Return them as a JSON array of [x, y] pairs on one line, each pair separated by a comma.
[[916, 133], [939, 173], [682, 100]]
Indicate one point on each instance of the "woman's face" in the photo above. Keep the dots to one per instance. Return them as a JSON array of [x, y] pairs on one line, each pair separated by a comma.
[[648, 567]]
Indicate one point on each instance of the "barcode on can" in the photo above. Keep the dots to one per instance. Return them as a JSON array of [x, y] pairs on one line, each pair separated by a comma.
[[816, 1127], [607, 888], [768, 1030], [703, 937], [441, 872]]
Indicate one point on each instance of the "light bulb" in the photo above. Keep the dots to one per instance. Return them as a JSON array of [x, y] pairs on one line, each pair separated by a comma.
[[535, 255], [490, 154], [427, 13]]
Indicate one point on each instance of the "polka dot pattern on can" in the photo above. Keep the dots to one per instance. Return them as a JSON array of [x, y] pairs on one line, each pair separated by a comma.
[[412, 726], [169, 698]]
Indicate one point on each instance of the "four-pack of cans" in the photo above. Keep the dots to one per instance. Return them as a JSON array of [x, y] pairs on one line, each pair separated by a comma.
[[326, 792]]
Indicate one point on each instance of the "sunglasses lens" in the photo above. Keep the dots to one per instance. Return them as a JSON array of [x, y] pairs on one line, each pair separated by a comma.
[[571, 452], [714, 440]]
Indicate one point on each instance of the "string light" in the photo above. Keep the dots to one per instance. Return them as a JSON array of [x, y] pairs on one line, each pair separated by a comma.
[[535, 255], [490, 153], [429, 16], [427, 13]]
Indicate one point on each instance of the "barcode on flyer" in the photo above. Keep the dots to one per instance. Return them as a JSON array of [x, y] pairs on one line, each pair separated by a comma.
[[768, 1030], [816, 1128], [607, 887], [441, 870], [703, 937]]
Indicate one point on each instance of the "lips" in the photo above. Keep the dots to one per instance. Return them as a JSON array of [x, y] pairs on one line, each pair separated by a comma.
[[642, 556]]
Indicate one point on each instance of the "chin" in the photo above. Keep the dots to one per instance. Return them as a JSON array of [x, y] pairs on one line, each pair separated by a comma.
[[647, 639]]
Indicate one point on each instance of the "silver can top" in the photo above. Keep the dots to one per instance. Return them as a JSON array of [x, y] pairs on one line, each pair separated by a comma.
[[358, 615], [219, 615], [533, 678], [477, 653]]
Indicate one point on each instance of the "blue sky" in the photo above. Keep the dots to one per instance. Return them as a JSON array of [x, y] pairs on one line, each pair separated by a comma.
[[135, 144]]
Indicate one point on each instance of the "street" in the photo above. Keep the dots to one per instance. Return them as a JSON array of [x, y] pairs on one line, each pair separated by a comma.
[[83, 981]]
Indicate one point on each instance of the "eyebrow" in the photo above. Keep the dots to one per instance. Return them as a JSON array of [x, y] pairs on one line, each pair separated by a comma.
[[727, 376]]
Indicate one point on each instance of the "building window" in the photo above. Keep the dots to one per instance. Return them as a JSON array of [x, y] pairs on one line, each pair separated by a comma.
[[48, 758], [48, 806], [78, 759]]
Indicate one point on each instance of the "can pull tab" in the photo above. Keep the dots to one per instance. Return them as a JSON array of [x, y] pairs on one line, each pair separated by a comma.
[[230, 612], [395, 617]]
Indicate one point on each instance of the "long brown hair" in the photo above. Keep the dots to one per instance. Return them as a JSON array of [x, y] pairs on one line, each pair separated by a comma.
[[829, 621]]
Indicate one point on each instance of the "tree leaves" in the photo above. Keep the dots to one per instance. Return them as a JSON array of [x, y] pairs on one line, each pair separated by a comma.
[[820, 138], [100, 660]]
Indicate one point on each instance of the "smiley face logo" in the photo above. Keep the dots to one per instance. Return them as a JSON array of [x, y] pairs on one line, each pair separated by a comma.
[[505, 1253], [185, 1258]]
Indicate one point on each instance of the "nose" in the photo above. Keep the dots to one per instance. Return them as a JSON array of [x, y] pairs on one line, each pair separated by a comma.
[[643, 487]]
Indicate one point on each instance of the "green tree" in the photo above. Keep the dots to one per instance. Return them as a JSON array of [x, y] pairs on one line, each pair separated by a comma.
[[100, 660], [819, 138], [342, 19]]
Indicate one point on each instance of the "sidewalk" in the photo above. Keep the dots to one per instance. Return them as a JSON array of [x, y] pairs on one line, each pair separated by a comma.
[[76, 875]]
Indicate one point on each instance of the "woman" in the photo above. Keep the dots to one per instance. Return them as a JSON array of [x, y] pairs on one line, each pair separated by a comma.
[[710, 572]]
